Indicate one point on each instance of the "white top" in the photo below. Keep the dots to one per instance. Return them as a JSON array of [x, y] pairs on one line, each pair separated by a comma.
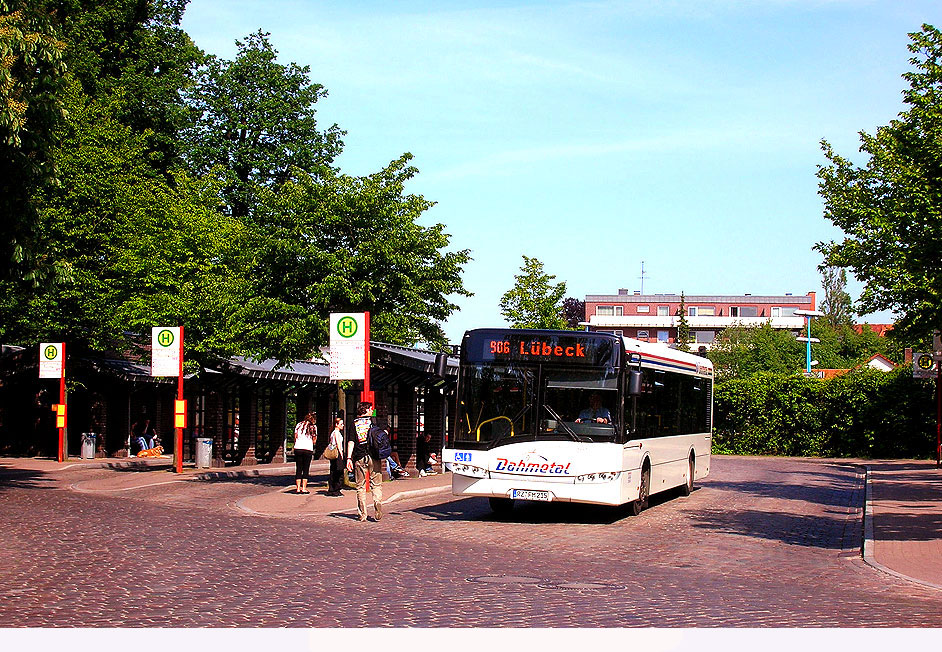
[[304, 435], [336, 438]]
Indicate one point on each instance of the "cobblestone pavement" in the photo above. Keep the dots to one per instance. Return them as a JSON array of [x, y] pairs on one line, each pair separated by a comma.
[[761, 542]]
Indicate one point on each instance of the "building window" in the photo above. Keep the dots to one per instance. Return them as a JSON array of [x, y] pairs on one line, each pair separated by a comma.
[[775, 311], [609, 311], [743, 311], [644, 308], [706, 311], [663, 336], [705, 337], [789, 312], [692, 311], [663, 311], [642, 335]]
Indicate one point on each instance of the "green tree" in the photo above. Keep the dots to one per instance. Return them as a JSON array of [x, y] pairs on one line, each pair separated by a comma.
[[843, 347], [127, 55], [336, 243], [742, 351], [32, 86], [253, 121], [683, 326], [890, 210], [534, 301], [135, 249], [836, 303], [133, 55]]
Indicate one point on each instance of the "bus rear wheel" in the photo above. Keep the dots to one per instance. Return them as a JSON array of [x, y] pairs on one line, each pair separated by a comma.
[[501, 506], [691, 468], [638, 506]]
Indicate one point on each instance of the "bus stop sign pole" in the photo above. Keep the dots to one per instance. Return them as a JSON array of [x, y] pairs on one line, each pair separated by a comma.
[[937, 356], [938, 413], [60, 421], [178, 429]]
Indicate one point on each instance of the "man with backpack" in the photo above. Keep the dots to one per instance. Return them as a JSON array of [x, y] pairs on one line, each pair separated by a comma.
[[365, 463]]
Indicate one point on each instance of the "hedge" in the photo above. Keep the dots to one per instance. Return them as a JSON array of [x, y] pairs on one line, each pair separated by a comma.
[[866, 413]]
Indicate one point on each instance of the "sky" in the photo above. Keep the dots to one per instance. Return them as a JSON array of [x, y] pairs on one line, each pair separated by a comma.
[[595, 136]]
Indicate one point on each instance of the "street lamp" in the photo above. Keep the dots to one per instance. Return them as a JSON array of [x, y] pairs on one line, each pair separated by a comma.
[[808, 314]]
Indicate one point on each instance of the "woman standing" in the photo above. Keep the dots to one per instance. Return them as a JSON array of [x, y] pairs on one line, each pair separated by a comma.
[[335, 482], [304, 435]]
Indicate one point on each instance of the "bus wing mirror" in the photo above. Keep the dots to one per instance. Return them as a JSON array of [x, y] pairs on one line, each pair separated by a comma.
[[634, 358], [634, 382]]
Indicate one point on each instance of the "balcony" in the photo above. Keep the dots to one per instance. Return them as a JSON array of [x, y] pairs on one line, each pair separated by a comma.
[[652, 322]]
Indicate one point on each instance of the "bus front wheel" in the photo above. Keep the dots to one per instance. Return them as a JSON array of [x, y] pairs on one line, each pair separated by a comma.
[[501, 506], [638, 506]]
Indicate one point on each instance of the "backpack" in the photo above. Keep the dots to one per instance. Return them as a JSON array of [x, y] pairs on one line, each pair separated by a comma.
[[377, 440]]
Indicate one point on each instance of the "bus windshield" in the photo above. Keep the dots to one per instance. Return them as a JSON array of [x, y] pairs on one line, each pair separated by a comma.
[[499, 403]]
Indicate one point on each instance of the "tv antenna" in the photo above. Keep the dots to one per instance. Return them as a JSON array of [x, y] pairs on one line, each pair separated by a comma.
[[642, 277]]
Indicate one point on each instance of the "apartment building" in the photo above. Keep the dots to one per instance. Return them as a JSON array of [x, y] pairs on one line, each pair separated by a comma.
[[654, 317]]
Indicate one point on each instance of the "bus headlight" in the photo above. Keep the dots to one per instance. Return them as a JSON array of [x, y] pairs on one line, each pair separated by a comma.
[[604, 476], [468, 470]]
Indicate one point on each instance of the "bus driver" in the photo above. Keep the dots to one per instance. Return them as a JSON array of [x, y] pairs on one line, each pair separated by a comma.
[[595, 413]]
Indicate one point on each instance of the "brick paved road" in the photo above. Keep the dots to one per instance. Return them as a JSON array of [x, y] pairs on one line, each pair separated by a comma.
[[762, 542]]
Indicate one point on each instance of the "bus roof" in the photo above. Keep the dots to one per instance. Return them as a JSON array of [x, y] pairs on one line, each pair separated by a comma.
[[660, 354]]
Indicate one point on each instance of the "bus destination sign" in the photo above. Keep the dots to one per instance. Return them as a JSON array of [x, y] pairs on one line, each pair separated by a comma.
[[565, 348], [537, 349]]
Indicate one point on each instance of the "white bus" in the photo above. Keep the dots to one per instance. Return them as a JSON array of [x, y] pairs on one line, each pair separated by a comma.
[[575, 416]]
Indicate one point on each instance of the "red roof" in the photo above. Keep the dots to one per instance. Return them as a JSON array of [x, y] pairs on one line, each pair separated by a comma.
[[879, 329]]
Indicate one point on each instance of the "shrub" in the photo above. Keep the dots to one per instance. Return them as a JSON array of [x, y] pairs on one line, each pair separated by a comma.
[[864, 413]]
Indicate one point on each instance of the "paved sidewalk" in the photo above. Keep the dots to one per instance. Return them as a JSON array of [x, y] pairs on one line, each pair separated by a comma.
[[902, 519], [282, 501]]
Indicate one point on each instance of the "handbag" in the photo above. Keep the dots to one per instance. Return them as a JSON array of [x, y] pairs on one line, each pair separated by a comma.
[[331, 452]]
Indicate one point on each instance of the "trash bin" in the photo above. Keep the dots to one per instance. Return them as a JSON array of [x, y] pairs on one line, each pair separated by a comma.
[[204, 452], [88, 445]]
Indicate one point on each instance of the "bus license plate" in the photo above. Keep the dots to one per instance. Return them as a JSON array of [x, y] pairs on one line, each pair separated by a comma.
[[529, 494]]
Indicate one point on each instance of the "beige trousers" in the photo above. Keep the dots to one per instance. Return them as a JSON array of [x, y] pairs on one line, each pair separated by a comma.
[[375, 469]]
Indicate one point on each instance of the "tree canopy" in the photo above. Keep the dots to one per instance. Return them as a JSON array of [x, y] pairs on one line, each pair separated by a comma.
[[32, 86], [836, 303], [336, 243], [534, 301], [890, 209], [254, 119], [683, 326], [145, 190], [743, 351], [573, 312]]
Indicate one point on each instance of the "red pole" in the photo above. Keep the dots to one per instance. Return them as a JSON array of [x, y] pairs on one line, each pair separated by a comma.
[[367, 394], [938, 413], [178, 432], [62, 402]]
